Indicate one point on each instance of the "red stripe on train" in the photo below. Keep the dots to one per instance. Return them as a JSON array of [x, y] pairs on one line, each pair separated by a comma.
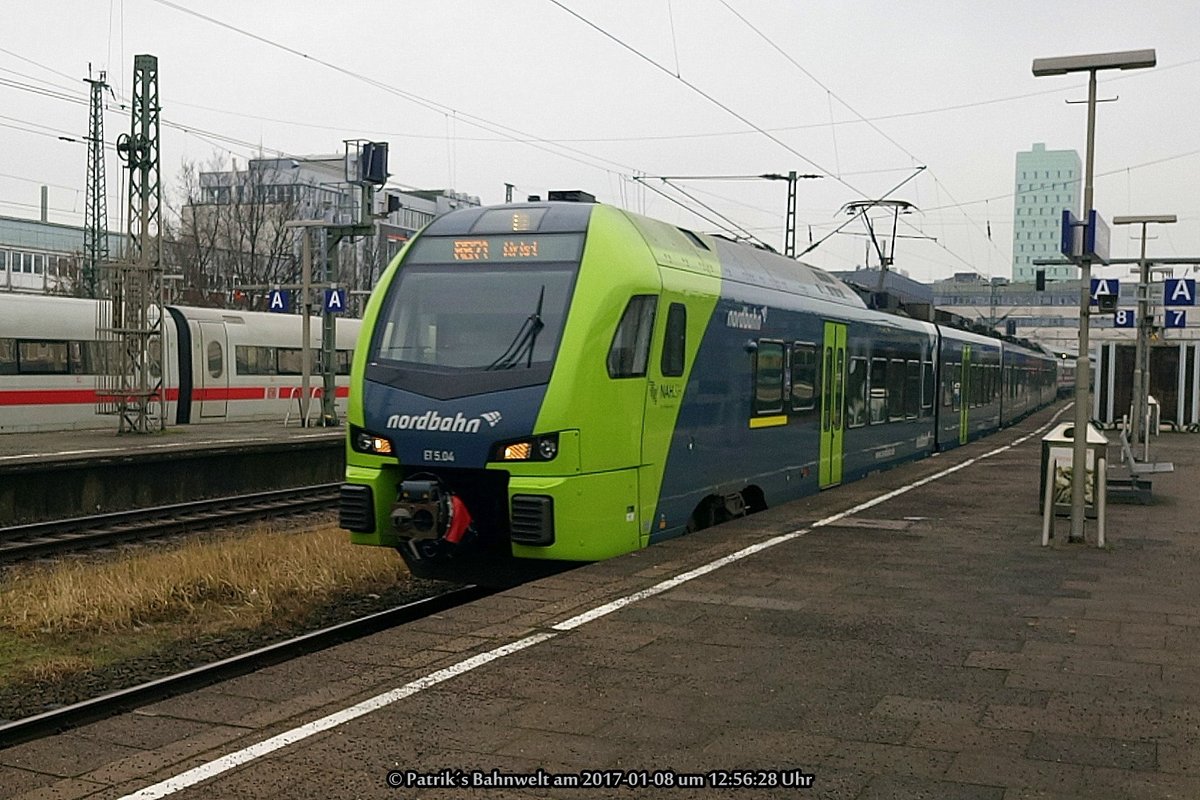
[[51, 397]]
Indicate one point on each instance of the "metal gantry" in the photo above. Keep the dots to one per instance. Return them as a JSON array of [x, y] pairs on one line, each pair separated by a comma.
[[130, 323], [95, 224]]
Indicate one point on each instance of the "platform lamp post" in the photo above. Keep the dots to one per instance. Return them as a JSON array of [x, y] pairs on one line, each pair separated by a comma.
[[1091, 64], [1141, 358]]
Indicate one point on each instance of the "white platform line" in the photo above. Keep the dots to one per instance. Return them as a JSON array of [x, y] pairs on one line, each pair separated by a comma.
[[671, 583], [267, 746]]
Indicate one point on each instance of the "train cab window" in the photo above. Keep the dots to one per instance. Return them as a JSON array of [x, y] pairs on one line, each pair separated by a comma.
[[856, 393], [912, 389], [804, 376], [895, 384], [153, 347], [768, 378], [8, 357], [674, 341], [878, 405], [216, 360], [630, 348], [928, 389]]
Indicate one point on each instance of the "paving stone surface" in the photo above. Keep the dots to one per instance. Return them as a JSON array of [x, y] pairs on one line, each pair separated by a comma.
[[929, 649]]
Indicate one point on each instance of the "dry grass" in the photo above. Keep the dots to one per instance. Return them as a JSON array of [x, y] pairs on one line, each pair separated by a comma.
[[244, 579]]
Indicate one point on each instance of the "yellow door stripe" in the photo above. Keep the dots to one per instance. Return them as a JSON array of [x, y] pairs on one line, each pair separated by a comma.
[[769, 422]]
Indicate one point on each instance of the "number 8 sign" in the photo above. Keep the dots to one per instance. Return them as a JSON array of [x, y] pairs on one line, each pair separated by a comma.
[[1124, 318]]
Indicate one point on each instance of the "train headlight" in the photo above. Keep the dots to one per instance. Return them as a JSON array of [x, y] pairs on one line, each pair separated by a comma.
[[366, 442], [534, 448], [518, 451]]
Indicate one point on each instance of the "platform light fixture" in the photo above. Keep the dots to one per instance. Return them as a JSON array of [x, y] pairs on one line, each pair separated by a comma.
[[1091, 64]]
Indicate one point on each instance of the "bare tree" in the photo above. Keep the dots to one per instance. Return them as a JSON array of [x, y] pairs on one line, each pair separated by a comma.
[[230, 238]]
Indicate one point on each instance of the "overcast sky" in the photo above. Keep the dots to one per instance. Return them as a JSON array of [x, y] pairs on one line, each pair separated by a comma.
[[586, 94]]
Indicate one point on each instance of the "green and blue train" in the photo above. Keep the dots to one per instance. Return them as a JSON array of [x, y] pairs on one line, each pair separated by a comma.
[[566, 382]]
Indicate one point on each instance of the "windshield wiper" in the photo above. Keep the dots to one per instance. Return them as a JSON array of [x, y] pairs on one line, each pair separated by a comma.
[[522, 344]]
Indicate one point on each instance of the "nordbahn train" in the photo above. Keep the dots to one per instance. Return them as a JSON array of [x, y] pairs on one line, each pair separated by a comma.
[[217, 366], [569, 382]]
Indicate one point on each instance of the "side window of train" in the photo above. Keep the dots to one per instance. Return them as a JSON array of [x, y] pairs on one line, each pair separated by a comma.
[[804, 376], [912, 389], [768, 377], [42, 358], [8, 357], [895, 384], [216, 360], [675, 341], [878, 405], [630, 349], [856, 393], [955, 374], [928, 389]]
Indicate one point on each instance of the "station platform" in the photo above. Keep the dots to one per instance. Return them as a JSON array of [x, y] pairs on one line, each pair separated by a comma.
[[74, 446], [62, 474], [904, 636]]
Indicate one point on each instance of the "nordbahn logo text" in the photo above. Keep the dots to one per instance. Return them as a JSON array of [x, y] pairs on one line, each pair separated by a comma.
[[433, 421], [747, 319]]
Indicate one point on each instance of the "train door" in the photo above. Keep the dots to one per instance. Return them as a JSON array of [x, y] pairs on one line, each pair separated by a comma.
[[666, 373], [212, 386], [833, 401], [965, 395]]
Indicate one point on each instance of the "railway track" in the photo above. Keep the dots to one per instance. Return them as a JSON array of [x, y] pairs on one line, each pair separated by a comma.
[[51, 722], [56, 536]]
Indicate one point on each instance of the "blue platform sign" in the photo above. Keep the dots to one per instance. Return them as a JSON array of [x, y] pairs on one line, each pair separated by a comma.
[[1071, 244], [279, 300], [1179, 292], [335, 301], [1096, 238], [1176, 319], [1124, 318], [1104, 286]]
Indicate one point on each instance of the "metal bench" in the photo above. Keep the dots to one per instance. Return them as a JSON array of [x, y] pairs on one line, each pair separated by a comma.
[[1135, 486]]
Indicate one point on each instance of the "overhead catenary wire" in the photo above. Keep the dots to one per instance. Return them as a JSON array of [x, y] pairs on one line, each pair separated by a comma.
[[787, 56]]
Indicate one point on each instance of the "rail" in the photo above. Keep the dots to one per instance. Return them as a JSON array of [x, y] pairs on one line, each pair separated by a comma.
[[39, 538], [51, 722]]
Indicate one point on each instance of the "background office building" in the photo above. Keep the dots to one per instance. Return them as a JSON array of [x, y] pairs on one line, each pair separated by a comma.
[[1045, 183]]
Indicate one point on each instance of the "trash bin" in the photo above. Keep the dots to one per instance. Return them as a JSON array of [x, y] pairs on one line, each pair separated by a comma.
[[1059, 444]]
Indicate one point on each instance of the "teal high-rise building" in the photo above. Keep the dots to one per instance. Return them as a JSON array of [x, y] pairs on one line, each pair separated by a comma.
[[1046, 182]]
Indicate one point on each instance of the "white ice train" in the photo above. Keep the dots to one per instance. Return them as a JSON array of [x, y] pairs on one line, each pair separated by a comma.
[[218, 365]]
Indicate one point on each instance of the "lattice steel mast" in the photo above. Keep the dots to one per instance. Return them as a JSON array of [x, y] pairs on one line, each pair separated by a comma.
[[133, 387], [95, 224]]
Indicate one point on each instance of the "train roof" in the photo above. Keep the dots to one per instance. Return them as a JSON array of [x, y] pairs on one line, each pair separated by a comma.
[[671, 245]]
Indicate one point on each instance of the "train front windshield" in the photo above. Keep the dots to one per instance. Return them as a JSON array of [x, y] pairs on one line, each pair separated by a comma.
[[478, 304]]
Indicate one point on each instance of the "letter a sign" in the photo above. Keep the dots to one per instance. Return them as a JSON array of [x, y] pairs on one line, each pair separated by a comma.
[[279, 300], [1109, 286], [1179, 292], [335, 301]]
